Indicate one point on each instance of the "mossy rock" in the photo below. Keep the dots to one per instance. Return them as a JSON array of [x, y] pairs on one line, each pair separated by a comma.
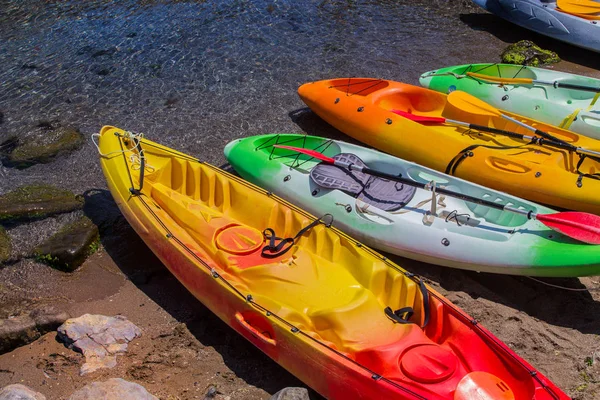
[[5, 245], [526, 52], [47, 141], [70, 246], [37, 201]]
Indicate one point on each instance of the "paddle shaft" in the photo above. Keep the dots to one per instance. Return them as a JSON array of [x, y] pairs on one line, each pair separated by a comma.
[[549, 140], [410, 182], [537, 131], [558, 84], [529, 81], [552, 140]]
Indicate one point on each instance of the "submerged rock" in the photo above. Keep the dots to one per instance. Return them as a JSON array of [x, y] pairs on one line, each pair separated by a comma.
[[526, 52], [68, 248], [37, 201], [24, 329], [5, 246], [47, 141], [113, 389], [291, 393], [19, 392], [99, 338]]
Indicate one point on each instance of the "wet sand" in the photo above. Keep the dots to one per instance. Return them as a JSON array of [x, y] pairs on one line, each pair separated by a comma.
[[194, 76]]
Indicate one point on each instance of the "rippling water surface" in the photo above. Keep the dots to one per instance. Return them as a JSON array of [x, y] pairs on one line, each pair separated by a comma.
[[194, 75]]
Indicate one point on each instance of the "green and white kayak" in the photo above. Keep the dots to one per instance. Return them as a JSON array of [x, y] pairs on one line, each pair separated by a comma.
[[409, 221], [565, 100]]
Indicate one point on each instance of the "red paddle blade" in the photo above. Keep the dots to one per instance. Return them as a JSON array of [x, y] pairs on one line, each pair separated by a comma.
[[578, 225], [312, 153], [419, 118]]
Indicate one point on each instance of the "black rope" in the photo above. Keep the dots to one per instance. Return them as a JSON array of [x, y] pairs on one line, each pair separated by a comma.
[[295, 163], [582, 175], [540, 141], [403, 315], [138, 144], [274, 249], [454, 215]]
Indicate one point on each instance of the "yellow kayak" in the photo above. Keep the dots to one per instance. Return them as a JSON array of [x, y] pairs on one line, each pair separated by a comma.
[[389, 116], [342, 318]]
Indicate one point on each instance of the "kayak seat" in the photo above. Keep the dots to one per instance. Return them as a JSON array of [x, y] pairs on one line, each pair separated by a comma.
[[230, 243], [195, 183], [319, 296], [409, 99], [382, 193]]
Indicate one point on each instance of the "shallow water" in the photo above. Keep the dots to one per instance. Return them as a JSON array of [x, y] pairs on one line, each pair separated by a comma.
[[194, 75]]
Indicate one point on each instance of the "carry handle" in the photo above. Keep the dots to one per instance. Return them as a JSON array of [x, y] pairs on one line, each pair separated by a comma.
[[253, 331]]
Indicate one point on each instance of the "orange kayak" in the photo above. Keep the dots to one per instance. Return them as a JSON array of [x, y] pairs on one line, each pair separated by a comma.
[[339, 316], [367, 109]]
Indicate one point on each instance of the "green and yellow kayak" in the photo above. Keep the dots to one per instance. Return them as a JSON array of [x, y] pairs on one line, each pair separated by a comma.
[[558, 98], [407, 221]]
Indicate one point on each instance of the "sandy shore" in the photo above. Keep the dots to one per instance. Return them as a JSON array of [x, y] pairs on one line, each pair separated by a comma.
[[195, 76]]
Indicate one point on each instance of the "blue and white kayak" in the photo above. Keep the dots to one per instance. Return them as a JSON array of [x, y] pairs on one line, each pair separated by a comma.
[[547, 18]]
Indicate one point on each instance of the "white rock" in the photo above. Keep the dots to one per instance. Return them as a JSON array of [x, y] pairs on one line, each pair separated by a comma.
[[19, 392], [99, 338]]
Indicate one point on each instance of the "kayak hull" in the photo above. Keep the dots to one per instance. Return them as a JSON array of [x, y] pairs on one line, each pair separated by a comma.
[[311, 309], [362, 108], [545, 18], [576, 110], [484, 239]]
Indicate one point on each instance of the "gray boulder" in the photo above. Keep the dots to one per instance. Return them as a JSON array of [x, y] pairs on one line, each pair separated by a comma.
[[42, 144], [19, 392], [112, 389]]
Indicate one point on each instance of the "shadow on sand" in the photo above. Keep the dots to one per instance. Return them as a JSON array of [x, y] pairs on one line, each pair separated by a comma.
[[146, 271]]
